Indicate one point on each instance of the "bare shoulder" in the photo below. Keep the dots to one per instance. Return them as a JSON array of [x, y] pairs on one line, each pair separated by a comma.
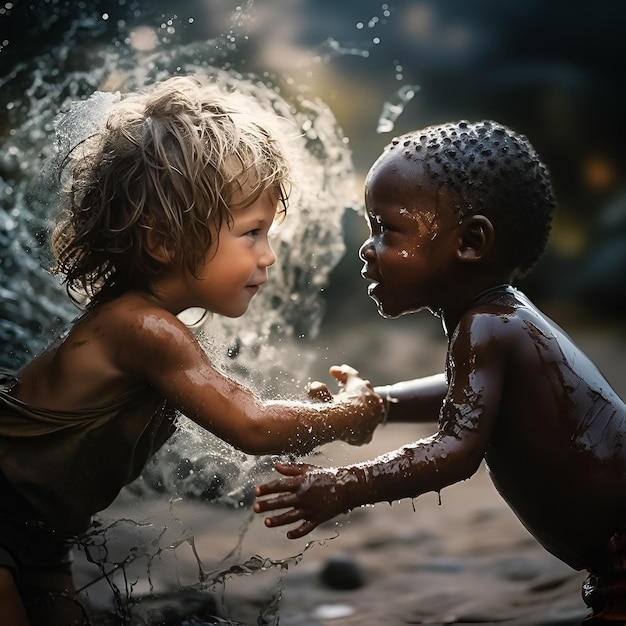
[[140, 332], [513, 322], [133, 315], [488, 324], [108, 349]]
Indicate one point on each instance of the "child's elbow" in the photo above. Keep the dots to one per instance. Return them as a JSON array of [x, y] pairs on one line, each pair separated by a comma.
[[466, 463], [255, 446], [258, 440]]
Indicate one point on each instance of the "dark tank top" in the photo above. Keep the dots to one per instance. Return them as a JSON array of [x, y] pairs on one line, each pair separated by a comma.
[[70, 465]]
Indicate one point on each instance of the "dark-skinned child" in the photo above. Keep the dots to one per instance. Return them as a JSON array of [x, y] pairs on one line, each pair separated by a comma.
[[457, 212]]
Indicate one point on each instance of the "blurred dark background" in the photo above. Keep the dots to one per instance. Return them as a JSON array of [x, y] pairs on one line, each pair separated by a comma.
[[551, 70]]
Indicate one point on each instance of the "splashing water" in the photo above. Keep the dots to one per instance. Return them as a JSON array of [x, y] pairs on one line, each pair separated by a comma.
[[393, 108], [257, 349]]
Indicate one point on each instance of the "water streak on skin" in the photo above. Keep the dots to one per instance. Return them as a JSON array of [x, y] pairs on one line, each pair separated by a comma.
[[587, 437], [401, 462], [541, 338], [466, 416], [428, 222]]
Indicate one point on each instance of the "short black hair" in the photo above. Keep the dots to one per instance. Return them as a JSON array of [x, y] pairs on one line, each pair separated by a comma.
[[492, 171]]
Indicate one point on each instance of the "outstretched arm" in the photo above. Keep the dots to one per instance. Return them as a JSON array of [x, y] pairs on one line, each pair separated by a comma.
[[162, 350], [468, 413], [314, 495], [416, 400]]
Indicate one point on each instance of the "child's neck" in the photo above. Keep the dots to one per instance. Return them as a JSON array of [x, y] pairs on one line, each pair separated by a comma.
[[469, 298], [490, 294]]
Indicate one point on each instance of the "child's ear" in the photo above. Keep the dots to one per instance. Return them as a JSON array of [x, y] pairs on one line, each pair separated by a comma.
[[156, 247], [477, 238]]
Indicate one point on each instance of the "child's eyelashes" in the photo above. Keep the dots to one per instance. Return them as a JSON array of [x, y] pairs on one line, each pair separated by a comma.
[[380, 228], [377, 224]]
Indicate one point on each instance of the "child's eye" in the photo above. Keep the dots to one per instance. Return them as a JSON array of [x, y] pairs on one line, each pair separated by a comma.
[[382, 228], [378, 225], [255, 232]]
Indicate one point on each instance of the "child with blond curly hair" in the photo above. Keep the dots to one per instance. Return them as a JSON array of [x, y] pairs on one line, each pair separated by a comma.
[[169, 206]]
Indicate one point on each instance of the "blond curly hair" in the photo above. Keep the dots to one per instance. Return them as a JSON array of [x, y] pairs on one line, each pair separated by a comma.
[[169, 161]]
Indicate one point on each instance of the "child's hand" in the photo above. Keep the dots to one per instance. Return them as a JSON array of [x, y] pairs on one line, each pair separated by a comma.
[[319, 391], [359, 408], [350, 384], [315, 495], [356, 391]]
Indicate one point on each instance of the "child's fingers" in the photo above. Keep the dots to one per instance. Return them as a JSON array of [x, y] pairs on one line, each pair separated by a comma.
[[319, 391], [283, 485], [350, 379], [292, 469], [343, 372], [289, 517], [283, 501], [304, 528]]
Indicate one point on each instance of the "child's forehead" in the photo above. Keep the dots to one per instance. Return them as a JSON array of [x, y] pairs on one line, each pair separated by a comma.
[[394, 162], [395, 173], [405, 187]]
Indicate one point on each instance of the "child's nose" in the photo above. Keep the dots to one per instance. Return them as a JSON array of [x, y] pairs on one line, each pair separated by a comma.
[[366, 250], [267, 257]]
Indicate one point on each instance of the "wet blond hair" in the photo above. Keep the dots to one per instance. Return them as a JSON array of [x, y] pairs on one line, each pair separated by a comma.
[[169, 162]]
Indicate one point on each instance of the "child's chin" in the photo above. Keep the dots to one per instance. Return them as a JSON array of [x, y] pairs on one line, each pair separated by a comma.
[[235, 313], [386, 313], [390, 313]]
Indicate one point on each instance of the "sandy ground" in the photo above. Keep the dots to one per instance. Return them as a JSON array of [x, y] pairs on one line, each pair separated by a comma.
[[466, 559]]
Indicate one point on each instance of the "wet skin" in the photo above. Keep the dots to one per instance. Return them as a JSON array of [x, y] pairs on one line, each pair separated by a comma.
[[516, 391], [138, 337]]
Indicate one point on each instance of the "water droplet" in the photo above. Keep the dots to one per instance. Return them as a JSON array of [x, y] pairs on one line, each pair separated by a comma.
[[393, 108]]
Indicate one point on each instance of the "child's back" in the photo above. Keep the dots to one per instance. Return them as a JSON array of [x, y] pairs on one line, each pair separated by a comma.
[[556, 451]]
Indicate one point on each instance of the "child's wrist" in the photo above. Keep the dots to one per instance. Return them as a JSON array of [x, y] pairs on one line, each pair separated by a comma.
[[350, 481], [385, 393]]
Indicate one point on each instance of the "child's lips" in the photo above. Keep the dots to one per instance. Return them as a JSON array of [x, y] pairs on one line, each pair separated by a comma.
[[373, 284], [371, 288], [372, 280], [254, 287]]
